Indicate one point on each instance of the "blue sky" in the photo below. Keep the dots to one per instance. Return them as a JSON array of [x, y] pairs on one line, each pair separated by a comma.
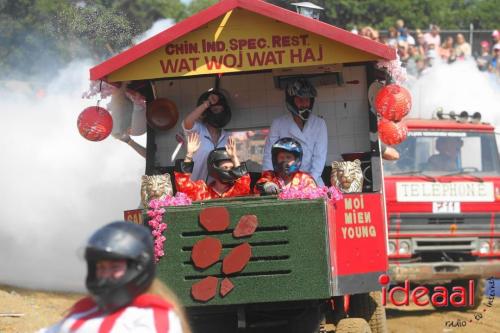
[[186, 1]]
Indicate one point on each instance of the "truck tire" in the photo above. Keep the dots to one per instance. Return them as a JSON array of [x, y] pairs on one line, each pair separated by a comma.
[[369, 307], [353, 325]]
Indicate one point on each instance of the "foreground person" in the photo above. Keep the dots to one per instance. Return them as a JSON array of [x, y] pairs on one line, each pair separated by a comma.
[[124, 296]]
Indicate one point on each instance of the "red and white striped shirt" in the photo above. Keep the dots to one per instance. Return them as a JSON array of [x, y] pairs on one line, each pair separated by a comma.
[[146, 314]]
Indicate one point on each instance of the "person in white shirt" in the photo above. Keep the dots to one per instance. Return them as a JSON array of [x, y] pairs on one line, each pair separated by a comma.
[[124, 295], [309, 129], [208, 119]]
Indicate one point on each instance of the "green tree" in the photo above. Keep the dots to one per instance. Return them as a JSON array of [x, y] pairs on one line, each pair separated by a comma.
[[198, 5]]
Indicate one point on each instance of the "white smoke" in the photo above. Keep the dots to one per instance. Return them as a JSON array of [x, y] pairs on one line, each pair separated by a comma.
[[457, 87], [57, 187]]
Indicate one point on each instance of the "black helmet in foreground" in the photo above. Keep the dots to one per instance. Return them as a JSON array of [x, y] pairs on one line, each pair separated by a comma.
[[300, 88], [215, 157], [120, 240]]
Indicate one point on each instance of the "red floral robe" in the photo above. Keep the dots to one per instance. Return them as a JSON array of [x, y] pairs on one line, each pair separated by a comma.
[[199, 190], [299, 179]]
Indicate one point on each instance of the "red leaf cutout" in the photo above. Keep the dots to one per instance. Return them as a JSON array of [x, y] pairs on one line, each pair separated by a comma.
[[206, 252]]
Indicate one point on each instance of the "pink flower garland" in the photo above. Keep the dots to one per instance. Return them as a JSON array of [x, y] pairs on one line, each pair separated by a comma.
[[105, 89], [331, 193], [156, 223], [394, 69]]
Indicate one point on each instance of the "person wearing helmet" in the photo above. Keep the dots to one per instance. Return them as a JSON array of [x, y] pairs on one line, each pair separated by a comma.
[[300, 124], [124, 295], [208, 119], [287, 158], [230, 177]]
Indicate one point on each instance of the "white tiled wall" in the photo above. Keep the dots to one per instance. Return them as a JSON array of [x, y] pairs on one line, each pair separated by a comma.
[[255, 103]]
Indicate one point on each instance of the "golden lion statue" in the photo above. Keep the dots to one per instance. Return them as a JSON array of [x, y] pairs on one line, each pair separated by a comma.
[[347, 176], [155, 187]]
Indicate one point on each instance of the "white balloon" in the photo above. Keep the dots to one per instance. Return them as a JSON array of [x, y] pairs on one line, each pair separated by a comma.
[[139, 122], [121, 108]]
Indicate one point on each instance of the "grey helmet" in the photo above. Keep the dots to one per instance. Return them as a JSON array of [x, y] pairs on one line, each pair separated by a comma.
[[301, 88], [120, 240]]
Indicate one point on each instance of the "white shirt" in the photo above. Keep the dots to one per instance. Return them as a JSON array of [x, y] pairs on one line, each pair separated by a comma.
[[313, 138], [200, 170], [132, 320]]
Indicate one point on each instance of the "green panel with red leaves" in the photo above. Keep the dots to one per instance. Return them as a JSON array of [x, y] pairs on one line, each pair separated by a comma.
[[287, 260]]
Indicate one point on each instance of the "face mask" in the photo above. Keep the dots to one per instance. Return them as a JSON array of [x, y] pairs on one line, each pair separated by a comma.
[[304, 113], [218, 120]]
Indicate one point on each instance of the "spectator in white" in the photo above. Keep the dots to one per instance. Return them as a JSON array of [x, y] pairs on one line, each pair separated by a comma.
[[309, 129], [433, 37], [208, 120], [496, 37], [409, 38], [484, 59], [393, 37], [462, 48]]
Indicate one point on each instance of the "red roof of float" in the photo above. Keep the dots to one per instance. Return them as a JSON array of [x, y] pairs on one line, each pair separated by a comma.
[[436, 124], [257, 6]]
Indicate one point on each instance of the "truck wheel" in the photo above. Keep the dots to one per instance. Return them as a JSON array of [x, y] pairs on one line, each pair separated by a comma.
[[369, 307], [353, 325]]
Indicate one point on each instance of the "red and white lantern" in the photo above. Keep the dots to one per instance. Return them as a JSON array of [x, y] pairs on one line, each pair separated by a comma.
[[392, 133], [95, 123], [393, 102]]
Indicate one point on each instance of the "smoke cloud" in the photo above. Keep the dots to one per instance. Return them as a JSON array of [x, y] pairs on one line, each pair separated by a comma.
[[57, 187], [457, 87]]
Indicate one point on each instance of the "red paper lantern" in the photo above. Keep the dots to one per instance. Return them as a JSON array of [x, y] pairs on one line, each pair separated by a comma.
[[392, 133], [393, 102], [95, 123]]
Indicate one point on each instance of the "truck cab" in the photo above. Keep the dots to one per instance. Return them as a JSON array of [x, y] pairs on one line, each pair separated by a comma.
[[443, 203]]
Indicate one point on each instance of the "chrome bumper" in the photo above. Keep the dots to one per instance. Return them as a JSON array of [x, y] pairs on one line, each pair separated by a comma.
[[440, 271]]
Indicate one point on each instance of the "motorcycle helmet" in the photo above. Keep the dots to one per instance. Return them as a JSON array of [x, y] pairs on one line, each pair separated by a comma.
[[291, 146], [215, 157], [301, 88], [120, 240], [217, 120]]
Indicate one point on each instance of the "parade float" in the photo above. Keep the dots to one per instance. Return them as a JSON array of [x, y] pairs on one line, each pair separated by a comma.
[[302, 261]]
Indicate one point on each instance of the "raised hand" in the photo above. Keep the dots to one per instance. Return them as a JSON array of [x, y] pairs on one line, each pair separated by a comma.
[[213, 99], [231, 151], [193, 144]]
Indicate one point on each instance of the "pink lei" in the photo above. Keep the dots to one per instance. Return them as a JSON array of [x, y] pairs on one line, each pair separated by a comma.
[[156, 223], [331, 193]]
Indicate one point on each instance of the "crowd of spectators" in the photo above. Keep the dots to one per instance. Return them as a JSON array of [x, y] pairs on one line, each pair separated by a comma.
[[419, 50]]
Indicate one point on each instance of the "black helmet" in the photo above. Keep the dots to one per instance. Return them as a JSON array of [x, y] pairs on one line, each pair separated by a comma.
[[214, 158], [217, 120], [120, 240], [289, 145], [301, 88]]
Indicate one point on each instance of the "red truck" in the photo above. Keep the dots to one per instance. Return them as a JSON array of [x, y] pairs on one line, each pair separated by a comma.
[[443, 204]]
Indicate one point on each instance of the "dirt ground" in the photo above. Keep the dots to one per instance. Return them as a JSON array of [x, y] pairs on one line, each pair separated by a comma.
[[39, 309]]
